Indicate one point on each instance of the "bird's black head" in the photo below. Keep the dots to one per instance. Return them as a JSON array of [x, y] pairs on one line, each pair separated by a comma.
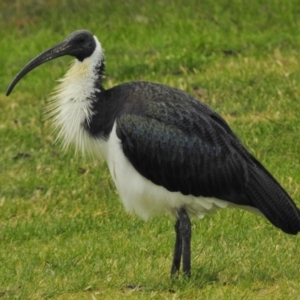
[[80, 44]]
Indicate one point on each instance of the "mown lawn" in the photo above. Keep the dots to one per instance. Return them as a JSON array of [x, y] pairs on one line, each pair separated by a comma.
[[63, 231]]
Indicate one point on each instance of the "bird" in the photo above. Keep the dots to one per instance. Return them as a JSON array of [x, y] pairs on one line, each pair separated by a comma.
[[167, 152]]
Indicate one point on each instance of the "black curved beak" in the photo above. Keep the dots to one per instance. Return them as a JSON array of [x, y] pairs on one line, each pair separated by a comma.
[[54, 52]]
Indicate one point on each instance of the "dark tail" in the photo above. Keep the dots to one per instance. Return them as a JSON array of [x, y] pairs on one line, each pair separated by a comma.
[[266, 194]]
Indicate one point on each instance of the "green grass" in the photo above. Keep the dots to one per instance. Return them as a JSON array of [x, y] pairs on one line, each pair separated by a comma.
[[63, 231]]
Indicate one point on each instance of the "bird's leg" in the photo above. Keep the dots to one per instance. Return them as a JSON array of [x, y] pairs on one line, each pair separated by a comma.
[[182, 244], [177, 250], [185, 233]]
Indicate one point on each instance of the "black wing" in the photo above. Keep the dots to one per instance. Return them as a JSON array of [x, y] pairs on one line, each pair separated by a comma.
[[185, 147], [203, 164]]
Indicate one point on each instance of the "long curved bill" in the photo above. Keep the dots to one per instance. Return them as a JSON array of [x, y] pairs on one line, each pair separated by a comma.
[[54, 52]]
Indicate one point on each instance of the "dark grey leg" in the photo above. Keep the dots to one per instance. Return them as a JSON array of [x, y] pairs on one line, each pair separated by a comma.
[[177, 250], [182, 244], [186, 233]]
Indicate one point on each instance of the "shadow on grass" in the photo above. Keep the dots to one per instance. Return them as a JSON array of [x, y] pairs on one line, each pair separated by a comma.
[[202, 278]]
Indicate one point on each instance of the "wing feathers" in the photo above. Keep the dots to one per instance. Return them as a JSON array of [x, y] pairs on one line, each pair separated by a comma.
[[178, 161]]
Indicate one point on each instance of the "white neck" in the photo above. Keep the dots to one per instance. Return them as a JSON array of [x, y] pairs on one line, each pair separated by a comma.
[[70, 105]]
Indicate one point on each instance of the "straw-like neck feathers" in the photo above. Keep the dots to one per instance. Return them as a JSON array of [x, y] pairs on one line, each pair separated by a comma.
[[71, 104]]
